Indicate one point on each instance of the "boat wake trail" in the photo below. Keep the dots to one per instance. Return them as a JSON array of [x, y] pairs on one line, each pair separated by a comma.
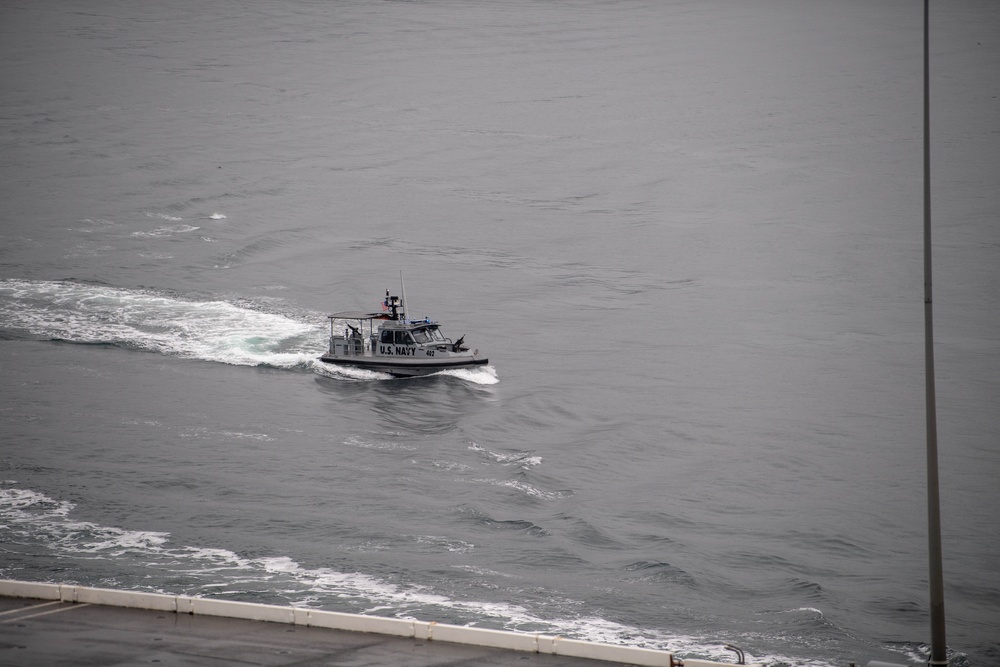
[[483, 375], [146, 320], [347, 372]]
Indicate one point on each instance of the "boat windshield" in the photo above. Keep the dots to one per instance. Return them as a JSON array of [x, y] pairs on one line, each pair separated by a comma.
[[427, 335]]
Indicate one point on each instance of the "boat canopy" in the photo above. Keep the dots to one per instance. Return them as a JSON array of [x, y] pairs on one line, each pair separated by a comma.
[[357, 315]]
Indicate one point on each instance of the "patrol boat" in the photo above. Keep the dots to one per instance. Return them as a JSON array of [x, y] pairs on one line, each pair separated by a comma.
[[398, 346]]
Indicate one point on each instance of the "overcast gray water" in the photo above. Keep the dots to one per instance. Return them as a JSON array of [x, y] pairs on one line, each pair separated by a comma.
[[687, 234]]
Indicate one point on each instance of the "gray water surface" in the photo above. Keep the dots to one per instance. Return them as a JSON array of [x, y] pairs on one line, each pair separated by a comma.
[[687, 235]]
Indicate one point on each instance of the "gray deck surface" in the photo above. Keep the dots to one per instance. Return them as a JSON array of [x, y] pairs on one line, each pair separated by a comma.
[[38, 632]]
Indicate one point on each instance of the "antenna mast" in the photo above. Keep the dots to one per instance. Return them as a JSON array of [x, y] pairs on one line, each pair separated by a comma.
[[402, 290]]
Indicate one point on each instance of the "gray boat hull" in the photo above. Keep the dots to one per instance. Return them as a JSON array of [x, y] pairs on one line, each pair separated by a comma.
[[403, 367]]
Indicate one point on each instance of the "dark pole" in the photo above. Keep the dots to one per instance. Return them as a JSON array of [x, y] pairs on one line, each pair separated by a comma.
[[938, 645]]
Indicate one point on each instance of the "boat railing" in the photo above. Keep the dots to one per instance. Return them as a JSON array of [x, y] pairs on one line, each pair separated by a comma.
[[347, 346]]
